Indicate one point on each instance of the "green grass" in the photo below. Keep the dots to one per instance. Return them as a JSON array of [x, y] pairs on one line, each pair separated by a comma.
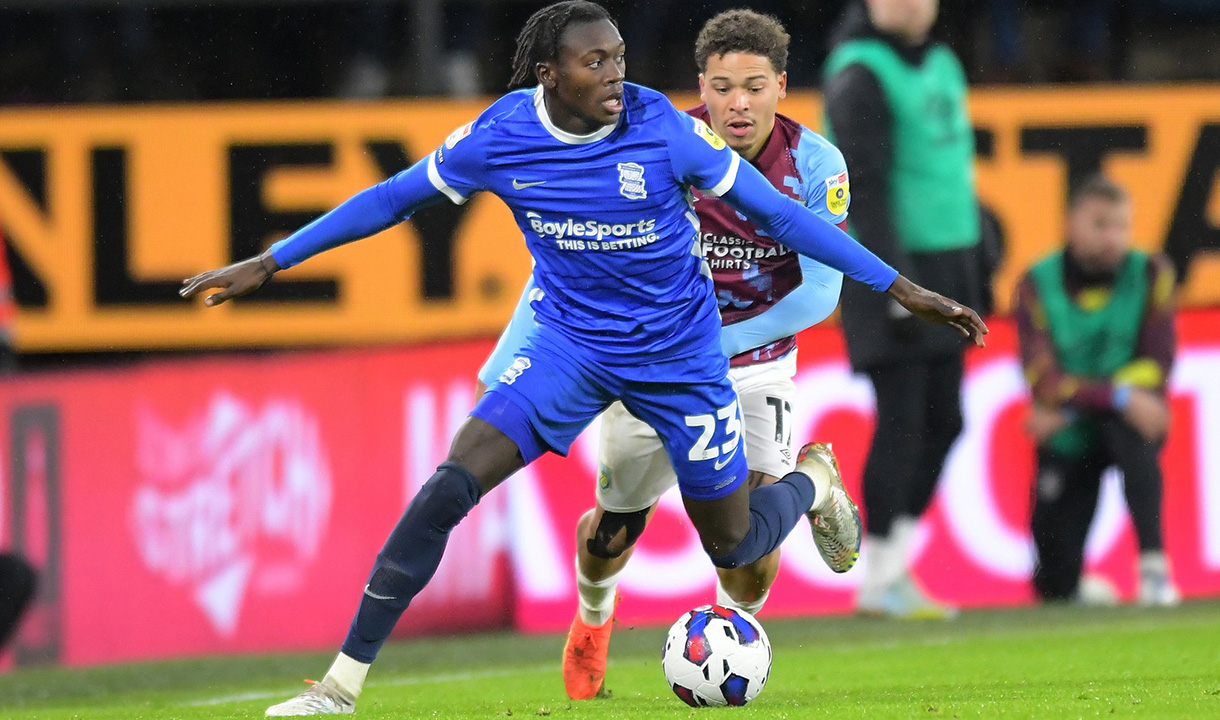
[[1026, 663]]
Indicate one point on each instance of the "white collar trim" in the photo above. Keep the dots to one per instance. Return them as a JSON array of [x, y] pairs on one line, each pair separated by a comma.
[[564, 136]]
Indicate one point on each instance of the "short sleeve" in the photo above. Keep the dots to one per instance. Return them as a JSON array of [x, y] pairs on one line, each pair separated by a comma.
[[827, 191], [456, 168], [699, 156]]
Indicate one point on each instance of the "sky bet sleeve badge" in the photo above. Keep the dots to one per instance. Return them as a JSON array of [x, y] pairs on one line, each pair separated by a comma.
[[705, 132], [837, 193]]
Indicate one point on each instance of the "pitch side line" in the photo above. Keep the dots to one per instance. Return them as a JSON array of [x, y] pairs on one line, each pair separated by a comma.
[[395, 682]]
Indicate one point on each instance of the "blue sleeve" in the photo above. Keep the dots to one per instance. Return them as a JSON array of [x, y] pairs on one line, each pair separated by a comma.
[[808, 304], [511, 340], [794, 225], [824, 180], [366, 213], [698, 155], [453, 172]]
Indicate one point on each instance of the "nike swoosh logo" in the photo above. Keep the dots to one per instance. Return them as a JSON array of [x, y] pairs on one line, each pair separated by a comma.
[[375, 596], [521, 186], [717, 465]]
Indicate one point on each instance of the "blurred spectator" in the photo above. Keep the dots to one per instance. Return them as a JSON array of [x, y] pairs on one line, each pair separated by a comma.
[[1082, 52], [369, 31], [17, 581], [1097, 344], [896, 106], [375, 24]]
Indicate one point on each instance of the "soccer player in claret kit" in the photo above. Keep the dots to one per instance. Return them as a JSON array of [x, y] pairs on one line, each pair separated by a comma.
[[596, 173], [766, 295]]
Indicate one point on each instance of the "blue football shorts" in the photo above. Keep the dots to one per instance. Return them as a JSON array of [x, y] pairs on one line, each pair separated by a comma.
[[553, 389]]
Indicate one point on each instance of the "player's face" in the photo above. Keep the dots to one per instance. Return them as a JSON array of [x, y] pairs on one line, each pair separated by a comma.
[[1099, 233], [585, 84], [911, 19], [741, 91]]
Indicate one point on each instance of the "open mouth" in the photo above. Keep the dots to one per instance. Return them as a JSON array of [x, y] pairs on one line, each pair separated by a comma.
[[613, 104], [739, 128]]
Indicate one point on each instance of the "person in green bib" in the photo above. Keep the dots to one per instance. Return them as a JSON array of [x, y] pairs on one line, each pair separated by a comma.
[[895, 104], [1097, 344]]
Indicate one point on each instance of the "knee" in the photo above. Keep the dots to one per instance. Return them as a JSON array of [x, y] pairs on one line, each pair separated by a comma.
[[614, 533], [448, 496], [725, 548]]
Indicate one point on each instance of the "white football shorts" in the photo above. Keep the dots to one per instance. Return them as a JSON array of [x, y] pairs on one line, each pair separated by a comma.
[[634, 469]]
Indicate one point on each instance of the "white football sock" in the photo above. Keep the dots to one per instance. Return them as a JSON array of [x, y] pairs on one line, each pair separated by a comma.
[[596, 598], [820, 475], [883, 565], [348, 673], [723, 598], [1153, 561], [902, 537]]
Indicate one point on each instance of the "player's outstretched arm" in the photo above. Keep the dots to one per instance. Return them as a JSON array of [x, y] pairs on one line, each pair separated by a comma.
[[366, 213], [933, 307], [799, 228]]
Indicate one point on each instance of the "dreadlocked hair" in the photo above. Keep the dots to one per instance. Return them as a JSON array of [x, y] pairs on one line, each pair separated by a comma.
[[538, 41]]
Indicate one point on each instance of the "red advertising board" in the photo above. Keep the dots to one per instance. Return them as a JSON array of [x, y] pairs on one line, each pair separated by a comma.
[[236, 505]]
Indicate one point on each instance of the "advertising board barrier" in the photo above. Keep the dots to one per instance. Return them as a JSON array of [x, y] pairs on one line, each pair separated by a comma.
[[105, 210], [236, 505]]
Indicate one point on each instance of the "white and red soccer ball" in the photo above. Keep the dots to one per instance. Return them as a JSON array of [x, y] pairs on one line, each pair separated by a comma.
[[716, 656]]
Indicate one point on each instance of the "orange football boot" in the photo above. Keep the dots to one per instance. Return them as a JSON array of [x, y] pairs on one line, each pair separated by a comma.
[[584, 658]]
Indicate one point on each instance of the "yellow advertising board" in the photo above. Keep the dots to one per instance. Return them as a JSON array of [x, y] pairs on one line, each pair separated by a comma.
[[107, 209]]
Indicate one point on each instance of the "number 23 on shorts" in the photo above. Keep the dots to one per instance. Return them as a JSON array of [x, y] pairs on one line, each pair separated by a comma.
[[707, 429]]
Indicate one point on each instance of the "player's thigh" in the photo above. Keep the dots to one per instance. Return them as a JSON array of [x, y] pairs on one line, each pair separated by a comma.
[[633, 468], [547, 397], [699, 424], [766, 413]]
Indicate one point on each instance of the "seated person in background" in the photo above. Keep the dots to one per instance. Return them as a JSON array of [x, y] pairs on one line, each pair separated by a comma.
[[1097, 344]]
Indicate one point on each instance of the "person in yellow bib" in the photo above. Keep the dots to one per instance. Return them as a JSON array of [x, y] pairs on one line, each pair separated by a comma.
[[1097, 343]]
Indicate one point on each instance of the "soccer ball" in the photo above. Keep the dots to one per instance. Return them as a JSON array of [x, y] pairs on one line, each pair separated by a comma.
[[716, 656]]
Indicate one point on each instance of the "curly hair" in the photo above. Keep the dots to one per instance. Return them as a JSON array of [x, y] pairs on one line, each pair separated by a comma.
[[743, 31], [538, 41]]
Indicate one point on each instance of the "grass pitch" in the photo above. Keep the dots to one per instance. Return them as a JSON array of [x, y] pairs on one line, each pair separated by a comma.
[[1025, 663]]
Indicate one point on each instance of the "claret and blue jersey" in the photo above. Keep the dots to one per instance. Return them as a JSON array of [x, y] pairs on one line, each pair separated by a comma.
[[607, 216]]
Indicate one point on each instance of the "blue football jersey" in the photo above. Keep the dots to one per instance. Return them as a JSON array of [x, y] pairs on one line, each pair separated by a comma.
[[607, 217]]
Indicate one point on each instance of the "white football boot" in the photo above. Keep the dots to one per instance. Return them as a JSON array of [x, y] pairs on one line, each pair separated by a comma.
[[321, 698], [836, 521], [1156, 587], [903, 599]]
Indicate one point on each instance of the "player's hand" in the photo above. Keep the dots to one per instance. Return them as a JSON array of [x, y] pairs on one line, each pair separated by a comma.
[[936, 308], [233, 280], [1045, 421], [1148, 413]]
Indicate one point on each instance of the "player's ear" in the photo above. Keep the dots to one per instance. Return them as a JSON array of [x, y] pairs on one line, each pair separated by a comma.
[[783, 84], [547, 74], [702, 87]]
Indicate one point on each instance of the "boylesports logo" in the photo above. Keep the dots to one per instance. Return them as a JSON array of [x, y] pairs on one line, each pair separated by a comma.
[[837, 193], [572, 234]]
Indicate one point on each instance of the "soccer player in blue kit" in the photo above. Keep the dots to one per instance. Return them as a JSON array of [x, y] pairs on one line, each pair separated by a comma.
[[596, 173], [766, 295]]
